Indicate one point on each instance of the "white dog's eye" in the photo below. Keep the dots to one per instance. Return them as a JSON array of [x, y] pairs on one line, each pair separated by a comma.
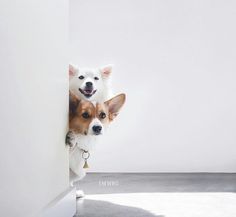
[[96, 78], [81, 77]]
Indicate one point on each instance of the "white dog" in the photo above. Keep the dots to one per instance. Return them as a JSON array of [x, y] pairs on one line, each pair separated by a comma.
[[91, 84]]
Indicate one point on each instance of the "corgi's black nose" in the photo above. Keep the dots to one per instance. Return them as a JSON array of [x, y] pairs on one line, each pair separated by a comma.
[[97, 129], [89, 84]]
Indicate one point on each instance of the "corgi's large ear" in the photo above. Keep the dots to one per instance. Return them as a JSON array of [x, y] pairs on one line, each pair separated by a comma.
[[73, 70], [106, 70], [73, 103], [114, 105]]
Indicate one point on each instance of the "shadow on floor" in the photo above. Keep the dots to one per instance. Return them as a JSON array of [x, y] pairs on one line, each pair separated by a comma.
[[95, 208], [113, 183]]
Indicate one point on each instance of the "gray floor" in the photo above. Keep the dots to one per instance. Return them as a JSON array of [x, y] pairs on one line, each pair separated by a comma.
[[114, 184]]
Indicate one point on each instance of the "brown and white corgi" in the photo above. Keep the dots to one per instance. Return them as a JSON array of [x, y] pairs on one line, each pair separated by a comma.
[[87, 121]]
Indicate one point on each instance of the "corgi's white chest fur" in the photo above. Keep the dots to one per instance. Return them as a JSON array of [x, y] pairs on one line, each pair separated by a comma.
[[76, 161]]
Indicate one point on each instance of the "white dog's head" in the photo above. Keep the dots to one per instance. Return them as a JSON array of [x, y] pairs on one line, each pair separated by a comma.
[[89, 84]]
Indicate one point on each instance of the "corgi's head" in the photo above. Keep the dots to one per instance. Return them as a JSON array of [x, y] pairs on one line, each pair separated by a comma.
[[89, 83], [88, 118]]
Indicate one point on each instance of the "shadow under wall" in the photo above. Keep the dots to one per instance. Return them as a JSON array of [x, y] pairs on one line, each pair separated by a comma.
[[95, 208]]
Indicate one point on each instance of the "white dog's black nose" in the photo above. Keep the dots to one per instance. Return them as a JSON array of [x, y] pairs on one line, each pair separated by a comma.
[[97, 129], [89, 84]]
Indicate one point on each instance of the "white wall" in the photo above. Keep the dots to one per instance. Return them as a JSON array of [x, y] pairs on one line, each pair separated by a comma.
[[34, 100], [176, 62]]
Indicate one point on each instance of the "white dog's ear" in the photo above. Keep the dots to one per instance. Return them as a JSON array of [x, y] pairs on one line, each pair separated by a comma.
[[115, 104], [73, 70], [106, 70]]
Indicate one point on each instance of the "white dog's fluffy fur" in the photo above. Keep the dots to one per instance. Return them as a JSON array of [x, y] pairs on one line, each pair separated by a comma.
[[99, 77]]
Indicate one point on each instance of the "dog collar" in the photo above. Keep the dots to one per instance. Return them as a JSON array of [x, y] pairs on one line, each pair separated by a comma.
[[85, 156]]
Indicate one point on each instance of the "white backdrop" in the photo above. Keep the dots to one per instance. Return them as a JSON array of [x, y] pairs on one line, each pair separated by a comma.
[[176, 62]]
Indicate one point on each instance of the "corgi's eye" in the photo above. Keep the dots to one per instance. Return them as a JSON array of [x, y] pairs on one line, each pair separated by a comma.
[[81, 77], [85, 115], [102, 115], [96, 78]]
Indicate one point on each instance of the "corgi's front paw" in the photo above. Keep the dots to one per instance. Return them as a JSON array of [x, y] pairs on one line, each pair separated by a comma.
[[69, 139]]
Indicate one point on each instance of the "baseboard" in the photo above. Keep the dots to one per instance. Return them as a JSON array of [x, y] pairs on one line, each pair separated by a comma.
[[62, 206]]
